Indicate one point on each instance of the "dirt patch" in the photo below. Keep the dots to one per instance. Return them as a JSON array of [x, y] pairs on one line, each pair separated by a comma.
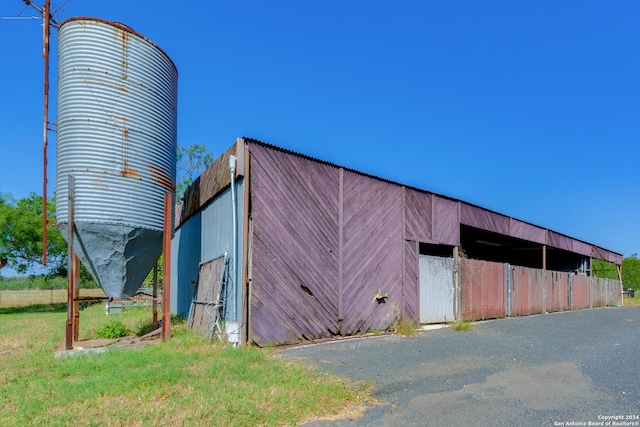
[[133, 341]]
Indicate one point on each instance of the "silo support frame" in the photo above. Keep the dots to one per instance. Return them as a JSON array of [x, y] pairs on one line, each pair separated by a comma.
[[73, 316], [73, 272]]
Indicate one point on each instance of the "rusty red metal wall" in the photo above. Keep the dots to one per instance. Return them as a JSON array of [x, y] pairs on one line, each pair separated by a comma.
[[599, 295], [526, 291], [605, 292], [483, 290], [580, 287], [556, 291]]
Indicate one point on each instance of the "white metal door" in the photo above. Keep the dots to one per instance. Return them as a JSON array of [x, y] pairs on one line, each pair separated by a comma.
[[436, 289]]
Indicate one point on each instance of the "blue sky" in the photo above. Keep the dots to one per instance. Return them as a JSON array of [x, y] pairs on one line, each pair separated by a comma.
[[531, 109]]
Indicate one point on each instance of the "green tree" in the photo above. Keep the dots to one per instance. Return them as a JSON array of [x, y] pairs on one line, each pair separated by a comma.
[[604, 269], [631, 272], [21, 235], [192, 161]]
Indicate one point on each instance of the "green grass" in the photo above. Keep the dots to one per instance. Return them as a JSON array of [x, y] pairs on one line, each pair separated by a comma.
[[407, 328], [462, 326], [182, 381], [14, 298]]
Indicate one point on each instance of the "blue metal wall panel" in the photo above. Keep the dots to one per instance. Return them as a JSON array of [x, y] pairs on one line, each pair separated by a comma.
[[185, 264], [217, 237]]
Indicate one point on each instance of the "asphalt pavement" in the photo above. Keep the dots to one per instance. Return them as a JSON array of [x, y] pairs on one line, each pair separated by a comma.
[[560, 369]]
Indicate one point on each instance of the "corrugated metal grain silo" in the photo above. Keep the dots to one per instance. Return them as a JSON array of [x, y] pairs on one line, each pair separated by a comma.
[[117, 130]]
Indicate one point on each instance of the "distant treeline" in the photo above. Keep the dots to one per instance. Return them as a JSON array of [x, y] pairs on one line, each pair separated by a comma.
[[25, 283]]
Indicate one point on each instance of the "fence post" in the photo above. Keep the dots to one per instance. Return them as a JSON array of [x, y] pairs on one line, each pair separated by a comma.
[[571, 291], [456, 282]]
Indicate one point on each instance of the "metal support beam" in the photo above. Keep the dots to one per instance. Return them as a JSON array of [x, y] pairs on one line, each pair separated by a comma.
[[621, 287], [155, 296], [76, 295], [456, 282], [70, 266]]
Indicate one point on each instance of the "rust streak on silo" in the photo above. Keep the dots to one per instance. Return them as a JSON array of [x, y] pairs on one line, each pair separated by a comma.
[[161, 177], [125, 151], [125, 54]]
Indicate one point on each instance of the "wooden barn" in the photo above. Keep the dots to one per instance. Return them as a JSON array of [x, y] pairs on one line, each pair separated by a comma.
[[274, 247]]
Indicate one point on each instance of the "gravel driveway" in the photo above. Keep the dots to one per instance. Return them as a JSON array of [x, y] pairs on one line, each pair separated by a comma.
[[571, 368]]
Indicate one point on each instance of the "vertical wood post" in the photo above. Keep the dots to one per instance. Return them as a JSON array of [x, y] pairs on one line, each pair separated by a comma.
[[166, 267], [544, 278], [76, 294], [456, 283], [340, 247], [621, 288], [46, 17], [245, 246]]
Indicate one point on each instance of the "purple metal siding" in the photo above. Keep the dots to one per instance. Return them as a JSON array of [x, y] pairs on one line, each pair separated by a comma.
[[373, 252], [582, 248], [559, 241], [481, 218], [606, 255], [483, 290], [526, 291], [410, 281], [294, 291], [418, 216], [446, 221], [523, 230]]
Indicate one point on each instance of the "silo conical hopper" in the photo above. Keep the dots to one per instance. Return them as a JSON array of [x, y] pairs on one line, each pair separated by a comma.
[[117, 130]]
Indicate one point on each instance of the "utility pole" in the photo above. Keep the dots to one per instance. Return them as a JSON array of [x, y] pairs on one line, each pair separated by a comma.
[[47, 20], [46, 16]]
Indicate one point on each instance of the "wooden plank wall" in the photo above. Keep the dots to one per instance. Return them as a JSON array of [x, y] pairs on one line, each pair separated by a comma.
[[411, 282], [212, 181], [325, 242], [373, 250], [294, 272]]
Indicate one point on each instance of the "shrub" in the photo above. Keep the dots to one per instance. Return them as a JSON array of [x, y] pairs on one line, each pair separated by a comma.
[[113, 329]]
